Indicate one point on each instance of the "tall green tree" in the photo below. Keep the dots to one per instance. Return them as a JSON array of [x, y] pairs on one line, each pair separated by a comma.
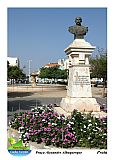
[[15, 72], [99, 66]]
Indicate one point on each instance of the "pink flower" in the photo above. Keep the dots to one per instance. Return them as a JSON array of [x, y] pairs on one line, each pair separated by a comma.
[[40, 124], [50, 113], [40, 115], [57, 140], [31, 119], [43, 139], [45, 129], [22, 124], [28, 136], [57, 129], [49, 125], [39, 131], [53, 140], [66, 140], [74, 139], [48, 129], [52, 134]]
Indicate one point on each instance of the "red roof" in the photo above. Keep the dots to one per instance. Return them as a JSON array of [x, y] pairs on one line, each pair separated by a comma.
[[51, 65]]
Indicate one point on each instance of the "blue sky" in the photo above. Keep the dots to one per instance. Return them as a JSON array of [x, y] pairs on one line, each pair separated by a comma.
[[41, 34]]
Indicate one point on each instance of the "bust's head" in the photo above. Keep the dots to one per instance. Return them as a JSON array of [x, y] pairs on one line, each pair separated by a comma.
[[78, 20]]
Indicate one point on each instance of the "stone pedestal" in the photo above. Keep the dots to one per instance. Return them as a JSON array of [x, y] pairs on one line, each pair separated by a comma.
[[81, 104], [79, 95]]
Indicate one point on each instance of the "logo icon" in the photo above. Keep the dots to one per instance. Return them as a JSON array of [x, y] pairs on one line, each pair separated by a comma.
[[18, 147]]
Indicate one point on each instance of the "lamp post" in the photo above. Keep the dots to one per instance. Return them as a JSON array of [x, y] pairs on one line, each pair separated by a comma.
[[29, 71]]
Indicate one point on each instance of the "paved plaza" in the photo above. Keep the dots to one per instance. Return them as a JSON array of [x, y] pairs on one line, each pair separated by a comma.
[[24, 101]]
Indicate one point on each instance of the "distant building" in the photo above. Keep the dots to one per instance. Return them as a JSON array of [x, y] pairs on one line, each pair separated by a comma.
[[13, 61], [61, 62], [64, 63], [51, 65]]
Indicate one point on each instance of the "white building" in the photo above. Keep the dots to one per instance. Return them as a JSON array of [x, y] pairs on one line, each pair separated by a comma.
[[13, 61], [64, 63]]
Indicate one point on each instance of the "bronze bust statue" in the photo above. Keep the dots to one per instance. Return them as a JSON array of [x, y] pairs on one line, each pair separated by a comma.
[[78, 30]]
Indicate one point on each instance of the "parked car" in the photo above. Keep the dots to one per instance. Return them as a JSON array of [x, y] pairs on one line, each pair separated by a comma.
[[22, 81], [99, 83]]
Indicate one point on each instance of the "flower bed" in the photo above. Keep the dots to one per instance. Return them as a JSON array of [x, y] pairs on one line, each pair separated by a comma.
[[42, 124]]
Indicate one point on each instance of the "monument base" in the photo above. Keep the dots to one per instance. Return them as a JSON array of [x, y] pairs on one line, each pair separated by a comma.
[[81, 104]]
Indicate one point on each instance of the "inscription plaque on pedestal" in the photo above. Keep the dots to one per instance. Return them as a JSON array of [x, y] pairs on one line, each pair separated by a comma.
[[79, 82]]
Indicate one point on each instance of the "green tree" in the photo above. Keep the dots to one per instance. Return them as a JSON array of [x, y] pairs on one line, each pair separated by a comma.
[[99, 66], [15, 72], [53, 72]]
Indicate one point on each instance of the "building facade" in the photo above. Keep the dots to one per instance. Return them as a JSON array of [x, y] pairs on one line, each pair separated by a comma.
[[13, 61]]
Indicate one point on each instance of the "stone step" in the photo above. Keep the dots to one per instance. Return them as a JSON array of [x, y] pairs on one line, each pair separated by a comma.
[[59, 110]]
